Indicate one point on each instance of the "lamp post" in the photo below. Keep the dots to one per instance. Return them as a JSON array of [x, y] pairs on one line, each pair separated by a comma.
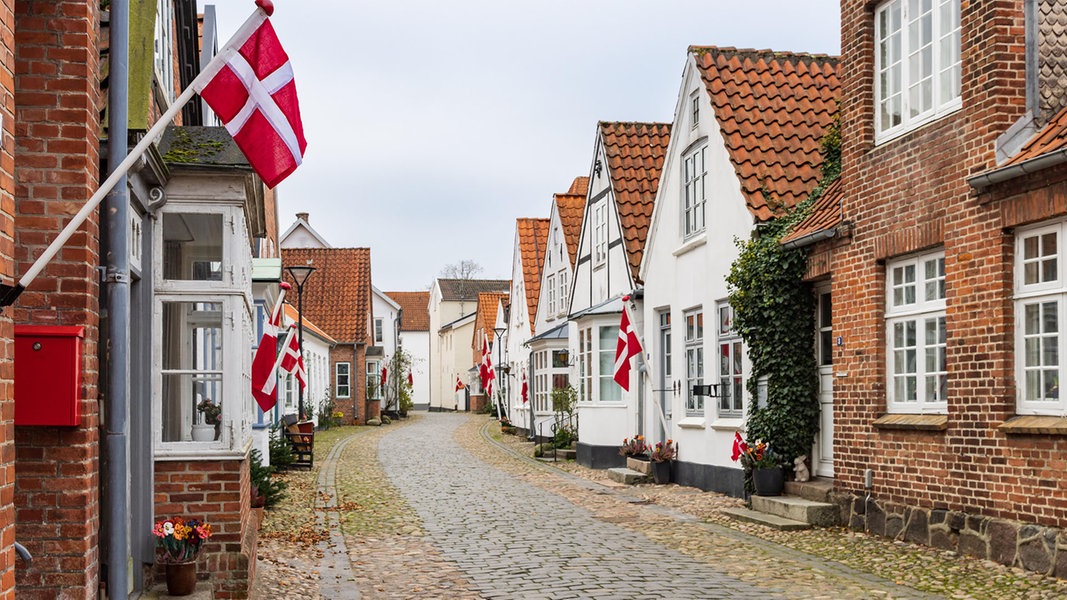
[[500, 367], [300, 274]]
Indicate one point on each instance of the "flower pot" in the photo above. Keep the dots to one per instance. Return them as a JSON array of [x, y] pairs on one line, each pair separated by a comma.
[[203, 432], [661, 472], [181, 578], [768, 482]]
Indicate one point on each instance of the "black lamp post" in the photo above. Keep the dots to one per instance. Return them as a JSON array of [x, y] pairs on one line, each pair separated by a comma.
[[300, 274], [500, 369]]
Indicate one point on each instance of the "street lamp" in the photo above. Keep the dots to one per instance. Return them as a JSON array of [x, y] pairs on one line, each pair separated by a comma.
[[500, 368], [300, 274]]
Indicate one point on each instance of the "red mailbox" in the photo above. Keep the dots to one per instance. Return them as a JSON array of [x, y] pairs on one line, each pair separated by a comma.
[[48, 375]]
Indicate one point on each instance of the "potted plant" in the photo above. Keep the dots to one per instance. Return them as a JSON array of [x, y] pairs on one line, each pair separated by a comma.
[[763, 468], [506, 426], [211, 415], [636, 452], [661, 456], [179, 541]]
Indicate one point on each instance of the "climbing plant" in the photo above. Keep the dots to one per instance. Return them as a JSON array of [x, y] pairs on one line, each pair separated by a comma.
[[775, 315]]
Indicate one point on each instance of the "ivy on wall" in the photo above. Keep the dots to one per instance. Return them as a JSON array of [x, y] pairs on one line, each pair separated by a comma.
[[774, 314]]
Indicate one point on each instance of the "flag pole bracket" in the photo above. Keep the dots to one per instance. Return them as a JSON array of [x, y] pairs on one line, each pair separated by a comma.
[[9, 293]]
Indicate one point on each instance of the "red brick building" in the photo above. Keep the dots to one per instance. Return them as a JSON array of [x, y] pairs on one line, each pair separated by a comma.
[[944, 246]]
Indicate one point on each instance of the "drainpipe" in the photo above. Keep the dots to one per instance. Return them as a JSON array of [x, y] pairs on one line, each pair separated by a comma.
[[117, 409]]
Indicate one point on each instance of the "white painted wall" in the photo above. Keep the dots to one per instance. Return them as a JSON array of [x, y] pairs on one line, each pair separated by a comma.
[[417, 345], [681, 274]]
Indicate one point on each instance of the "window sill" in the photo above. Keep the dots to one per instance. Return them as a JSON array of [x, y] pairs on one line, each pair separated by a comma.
[[1035, 425], [692, 423], [697, 241], [728, 424], [602, 404], [912, 422]]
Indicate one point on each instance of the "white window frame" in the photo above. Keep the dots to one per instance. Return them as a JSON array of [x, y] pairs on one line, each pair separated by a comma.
[[163, 51], [564, 291], [915, 302], [379, 330], [600, 233], [694, 109], [585, 365], [607, 390], [374, 375], [730, 350], [693, 325], [550, 283], [694, 191], [897, 64], [345, 390], [1040, 282]]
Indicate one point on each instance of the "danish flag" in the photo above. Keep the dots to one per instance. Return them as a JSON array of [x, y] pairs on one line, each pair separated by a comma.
[[264, 365], [292, 360], [250, 87], [486, 370], [628, 347]]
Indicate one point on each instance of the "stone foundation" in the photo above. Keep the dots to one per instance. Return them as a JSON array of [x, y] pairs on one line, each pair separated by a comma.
[[1013, 543]]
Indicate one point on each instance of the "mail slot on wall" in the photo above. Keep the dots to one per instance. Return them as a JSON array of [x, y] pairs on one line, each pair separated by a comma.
[[48, 375]]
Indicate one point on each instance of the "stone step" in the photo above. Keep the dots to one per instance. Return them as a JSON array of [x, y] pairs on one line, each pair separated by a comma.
[[627, 476], [795, 508], [159, 592], [817, 489], [774, 521]]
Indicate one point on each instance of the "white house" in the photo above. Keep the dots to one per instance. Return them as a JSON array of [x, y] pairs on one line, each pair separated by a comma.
[[452, 301], [385, 329], [414, 339], [744, 145], [317, 346], [549, 357], [623, 179], [527, 259], [301, 235]]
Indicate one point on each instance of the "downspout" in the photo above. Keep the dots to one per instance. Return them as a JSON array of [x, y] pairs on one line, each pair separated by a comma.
[[116, 398]]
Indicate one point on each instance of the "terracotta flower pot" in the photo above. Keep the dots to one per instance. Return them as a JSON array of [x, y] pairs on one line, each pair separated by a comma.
[[181, 578]]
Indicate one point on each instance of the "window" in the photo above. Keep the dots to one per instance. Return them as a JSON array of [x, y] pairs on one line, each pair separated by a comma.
[[609, 390], [378, 333], [564, 291], [550, 369], [695, 172], [1040, 305], [694, 361], [551, 284], [290, 393], [915, 334], [585, 365], [731, 372], [374, 380], [164, 51], [694, 110], [825, 341], [917, 63], [600, 233], [192, 351], [192, 246], [342, 379]]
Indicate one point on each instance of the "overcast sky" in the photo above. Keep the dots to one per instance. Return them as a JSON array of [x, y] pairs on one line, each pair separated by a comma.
[[433, 124]]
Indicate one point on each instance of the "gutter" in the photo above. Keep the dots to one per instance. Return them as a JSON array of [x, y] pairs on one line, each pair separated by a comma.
[[117, 282], [811, 238], [1010, 172]]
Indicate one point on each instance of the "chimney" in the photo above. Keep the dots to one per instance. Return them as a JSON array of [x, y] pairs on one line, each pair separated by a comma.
[[303, 217]]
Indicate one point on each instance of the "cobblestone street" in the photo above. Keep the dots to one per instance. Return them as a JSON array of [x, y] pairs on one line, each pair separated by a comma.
[[443, 506]]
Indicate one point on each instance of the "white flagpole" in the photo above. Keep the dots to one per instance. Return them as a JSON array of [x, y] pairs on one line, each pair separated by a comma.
[[149, 138]]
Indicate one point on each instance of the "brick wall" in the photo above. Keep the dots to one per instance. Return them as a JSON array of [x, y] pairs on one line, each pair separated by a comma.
[[7, 267], [57, 103], [354, 407], [910, 194], [216, 491]]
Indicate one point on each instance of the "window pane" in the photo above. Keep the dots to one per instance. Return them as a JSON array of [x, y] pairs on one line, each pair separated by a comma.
[[192, 247], [181, 394], [192, 336]]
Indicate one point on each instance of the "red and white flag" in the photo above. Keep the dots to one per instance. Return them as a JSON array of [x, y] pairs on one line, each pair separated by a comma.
[[459, 384], [264, 371], [384, 372], [525, 388], [411, 380], [292, 361], [486, 369], [250, 86], [628, 347]]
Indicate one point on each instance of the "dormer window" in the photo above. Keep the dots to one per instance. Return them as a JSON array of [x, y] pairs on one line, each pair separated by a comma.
[[916, 63]]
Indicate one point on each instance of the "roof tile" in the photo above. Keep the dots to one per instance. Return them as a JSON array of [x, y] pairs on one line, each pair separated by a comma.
[[571, 209], [533, 236], [635, 153], [486, 320], [580, 186], [1051, 138], [825, 214], [416, 307], [455, 290], [337, 296], [772, 109]]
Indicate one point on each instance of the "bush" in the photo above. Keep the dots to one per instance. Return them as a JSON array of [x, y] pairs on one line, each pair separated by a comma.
[[281, 451], [272, 490], [328, 414]]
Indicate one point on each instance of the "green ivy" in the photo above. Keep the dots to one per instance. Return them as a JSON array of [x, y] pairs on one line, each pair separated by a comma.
[[774, 312]]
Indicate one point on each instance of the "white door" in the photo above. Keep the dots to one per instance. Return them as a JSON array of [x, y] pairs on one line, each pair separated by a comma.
[[823, 452]]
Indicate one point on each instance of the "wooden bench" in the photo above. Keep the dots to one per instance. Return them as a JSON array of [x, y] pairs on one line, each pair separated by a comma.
[[303, 446]]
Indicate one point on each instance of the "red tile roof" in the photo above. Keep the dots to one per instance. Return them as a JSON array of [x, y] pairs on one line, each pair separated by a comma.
[[416, 307], [337, 296], [635, 153], [580, 186], [455, 290], [824, 216], [486, 319], [772, 109], [571, 209], [293, 316], [533, 237], [1051, 138]]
